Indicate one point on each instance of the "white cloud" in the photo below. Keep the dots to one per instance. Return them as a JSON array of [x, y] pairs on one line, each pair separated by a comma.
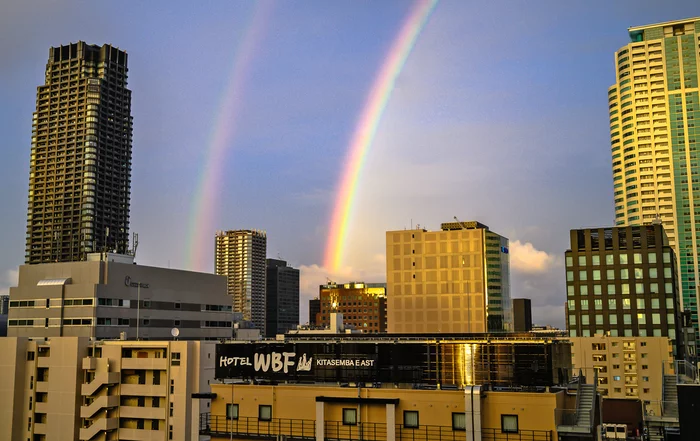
[[526, 258]]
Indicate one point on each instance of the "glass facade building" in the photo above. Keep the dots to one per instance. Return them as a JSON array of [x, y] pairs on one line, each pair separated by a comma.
[[655, 134]]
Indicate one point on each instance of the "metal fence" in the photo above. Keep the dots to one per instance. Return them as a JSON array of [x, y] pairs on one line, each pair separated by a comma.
[[256, 428]]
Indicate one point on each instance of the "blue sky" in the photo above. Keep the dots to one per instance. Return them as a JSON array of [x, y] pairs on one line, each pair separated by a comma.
[[500, 115]]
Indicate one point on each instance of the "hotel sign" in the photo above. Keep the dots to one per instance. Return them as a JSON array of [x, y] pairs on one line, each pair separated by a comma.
[[301, 361]]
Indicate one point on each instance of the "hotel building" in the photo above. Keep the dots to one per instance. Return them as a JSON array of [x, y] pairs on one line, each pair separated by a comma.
[[654, 112], [453, 280]]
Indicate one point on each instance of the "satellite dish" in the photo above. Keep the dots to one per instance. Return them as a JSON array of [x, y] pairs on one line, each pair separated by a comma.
[[175, 332]]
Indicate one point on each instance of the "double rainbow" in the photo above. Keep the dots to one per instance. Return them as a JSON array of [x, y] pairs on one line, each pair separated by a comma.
[[366, 129]]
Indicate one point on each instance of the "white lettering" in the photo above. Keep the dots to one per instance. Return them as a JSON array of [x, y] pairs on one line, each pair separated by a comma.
[[276, 362], [262, 361], [287, 360]]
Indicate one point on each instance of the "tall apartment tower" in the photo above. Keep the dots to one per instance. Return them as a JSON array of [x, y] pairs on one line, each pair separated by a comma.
[[621, 282], [456, 279], [80, 165], [240, 256], [654, 115], [282, 299]]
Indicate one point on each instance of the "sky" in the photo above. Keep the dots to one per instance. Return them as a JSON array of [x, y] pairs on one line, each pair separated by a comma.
[[499, 115]]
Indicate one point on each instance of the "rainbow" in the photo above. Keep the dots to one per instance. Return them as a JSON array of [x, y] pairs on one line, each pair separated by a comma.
[[366, 129], [201, 223]]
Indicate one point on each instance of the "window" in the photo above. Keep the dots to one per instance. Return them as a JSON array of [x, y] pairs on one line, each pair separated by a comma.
[[640, 303], [642, 319], [596, 274], [584, 290], [509, 423], [609, 259], [598, 304], [623, 259], [656, 319], [265, 412], [177, 305], [616, 378], [231, 411], [582, 260], [637, 258], [410, 419], [156, 377], [459, 421], [611, 289], [569, 261], [653, 273], [596, 260], [667, 272], [624, 274], [610, 274], [570, 276], [570, 290], [349, 417], [612, 304], [155, 402], [139, 424], [625, 288], [652, 257], [597, 290], [582, 275], [175, 359], [30, 355], [667, 257], [613, 319], [572, 320], [154, 424], [146, 303]]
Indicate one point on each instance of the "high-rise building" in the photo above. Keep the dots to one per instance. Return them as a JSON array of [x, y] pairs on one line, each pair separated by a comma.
[[621, 281], [4, 304], [282, 298], [453, 280], [522, 315], [80, 165], [654, 105], [314, 310], [240, 256], [362, 305]]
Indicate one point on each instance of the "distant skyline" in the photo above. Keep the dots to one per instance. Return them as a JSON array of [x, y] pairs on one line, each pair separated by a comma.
[[499, 115]]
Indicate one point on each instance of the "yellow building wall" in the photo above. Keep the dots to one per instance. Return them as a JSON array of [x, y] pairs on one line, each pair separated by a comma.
[[536, 411]]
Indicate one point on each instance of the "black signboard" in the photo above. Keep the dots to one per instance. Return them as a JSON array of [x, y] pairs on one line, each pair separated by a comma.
[[424, 363]]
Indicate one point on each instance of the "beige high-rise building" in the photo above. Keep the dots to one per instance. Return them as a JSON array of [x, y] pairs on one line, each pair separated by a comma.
[[71, 388], [456, 279], [654, 112], [240, 255]]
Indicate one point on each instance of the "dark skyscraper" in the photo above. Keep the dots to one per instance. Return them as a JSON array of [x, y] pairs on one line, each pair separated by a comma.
[[80, 165], [282, 298], [522, 315], [314, 310]]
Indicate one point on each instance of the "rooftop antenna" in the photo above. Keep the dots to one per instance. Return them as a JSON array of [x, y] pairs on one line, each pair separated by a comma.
[[136, 243], [461, 224]]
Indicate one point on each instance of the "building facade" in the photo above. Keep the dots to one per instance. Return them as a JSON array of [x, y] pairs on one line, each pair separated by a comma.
[[80, 165], [370, 387], [653, 107], [628, 367], [71, 388], [282, 297], [453, 280], [621, 281], [240, 256], [362, 305], [110, 297], [522, 315]]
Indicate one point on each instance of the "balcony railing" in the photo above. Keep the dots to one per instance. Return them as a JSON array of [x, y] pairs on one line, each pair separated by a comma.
[[295, 429], [255, 428]]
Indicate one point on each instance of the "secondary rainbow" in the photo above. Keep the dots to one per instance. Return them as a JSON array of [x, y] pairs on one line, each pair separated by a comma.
[[203, 215], [366, 129]]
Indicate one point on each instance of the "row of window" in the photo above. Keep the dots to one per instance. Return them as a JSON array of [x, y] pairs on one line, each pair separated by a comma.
[[45, 322], [626, 319], [626, 304], [624, 274], [624, 289], [44, 303], [623, 259], [411, 420], [625, 332]]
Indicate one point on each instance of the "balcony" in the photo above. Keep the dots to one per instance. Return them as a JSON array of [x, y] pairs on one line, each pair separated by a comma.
[[144, 390], [42, 386], [153, 413], [100, 380], [40, 428], [98, 426], [41, 407], [253, 428], [142, 435], [103, 402], [145, 363], [89, 363]]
